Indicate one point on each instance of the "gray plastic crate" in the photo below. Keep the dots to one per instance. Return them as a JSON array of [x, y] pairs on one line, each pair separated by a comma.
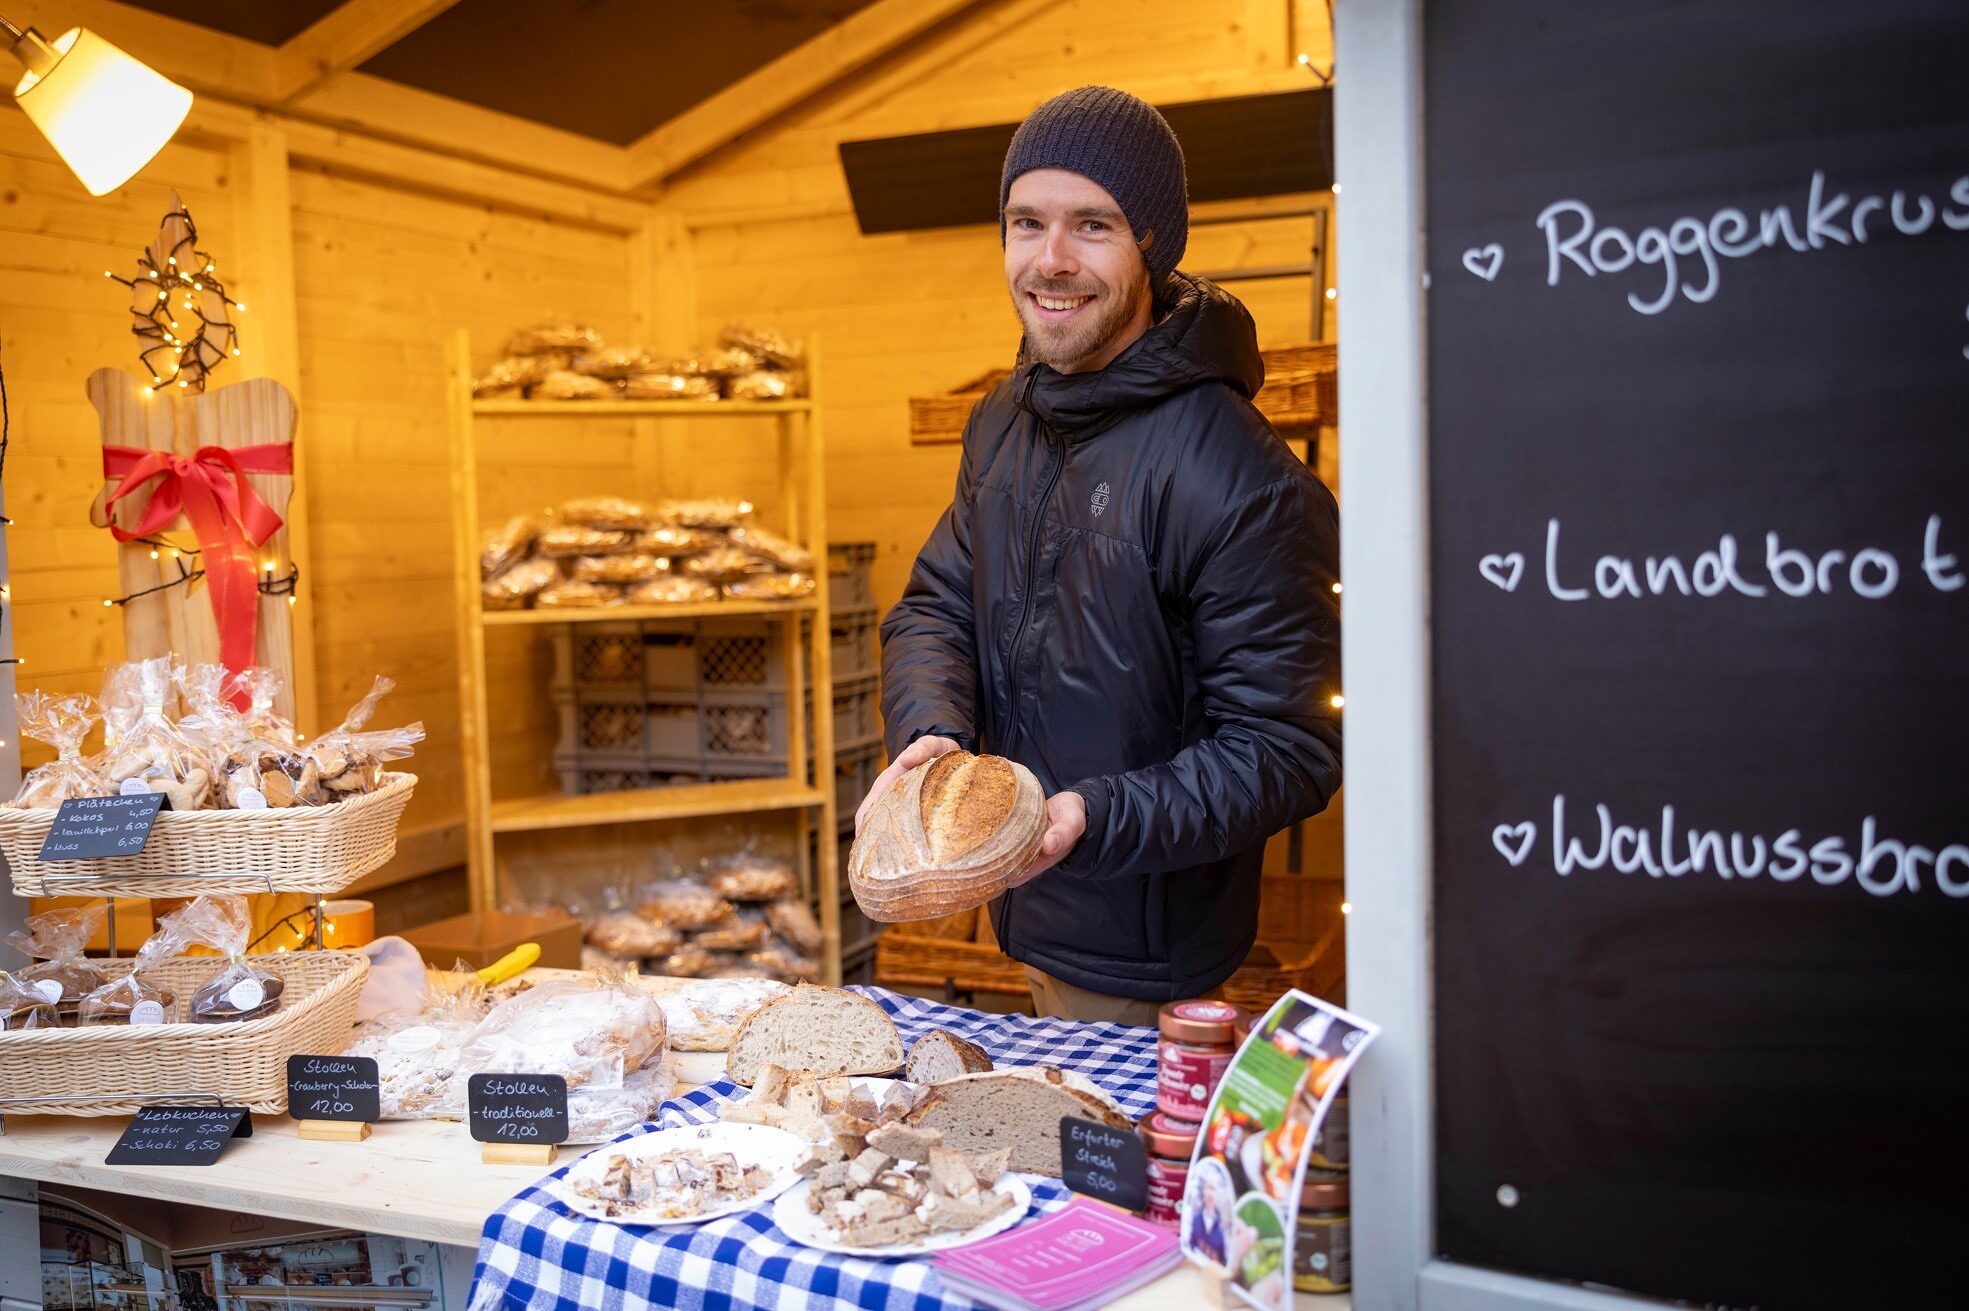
[[671, 654], [857, 714], [849, 584], [602, 720], [588, 772], [858, 932], [853, 643], [722, 727], [598, 655], [854, 773]]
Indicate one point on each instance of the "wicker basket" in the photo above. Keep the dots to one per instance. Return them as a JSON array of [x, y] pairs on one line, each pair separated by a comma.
[[940, 963], [935, 419], [318, 850], [114, 1069]]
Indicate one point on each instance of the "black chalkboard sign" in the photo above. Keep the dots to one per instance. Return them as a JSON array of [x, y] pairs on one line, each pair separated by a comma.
[[334, 1088], [1106, 1163], [91, 828], [179, 1135], [528, 1109], [1698, 371]]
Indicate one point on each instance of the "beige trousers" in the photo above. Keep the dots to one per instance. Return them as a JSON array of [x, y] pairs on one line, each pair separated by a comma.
[[1051, 996]]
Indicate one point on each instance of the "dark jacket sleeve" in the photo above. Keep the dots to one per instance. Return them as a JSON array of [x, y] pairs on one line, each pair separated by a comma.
[[929, 641], [1266, 628]]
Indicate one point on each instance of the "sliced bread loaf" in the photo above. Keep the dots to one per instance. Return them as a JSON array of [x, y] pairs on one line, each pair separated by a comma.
[[941, 1054], [1019, 1109], [821, 1030]]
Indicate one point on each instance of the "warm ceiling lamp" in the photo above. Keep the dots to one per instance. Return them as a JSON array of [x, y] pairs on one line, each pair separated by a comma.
[[105, 113]]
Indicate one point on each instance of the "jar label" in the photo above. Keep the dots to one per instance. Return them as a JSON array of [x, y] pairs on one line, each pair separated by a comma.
[[417, 1038], [147, 1012], [1331, 1145], [1210, 1012], [1166, 1180], [1185, 1077], [1323, 1256]]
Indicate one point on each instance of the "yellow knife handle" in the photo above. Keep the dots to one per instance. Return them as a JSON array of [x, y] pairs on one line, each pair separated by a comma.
[[516, 961]]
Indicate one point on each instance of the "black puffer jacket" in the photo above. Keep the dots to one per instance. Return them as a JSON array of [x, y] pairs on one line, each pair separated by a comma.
[[1132, 595]]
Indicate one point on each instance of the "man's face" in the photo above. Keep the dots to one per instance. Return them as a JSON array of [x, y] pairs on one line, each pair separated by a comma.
[[1077, 277]]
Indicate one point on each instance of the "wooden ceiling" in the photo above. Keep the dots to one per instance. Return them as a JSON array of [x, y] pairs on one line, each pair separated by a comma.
[[607, 69]]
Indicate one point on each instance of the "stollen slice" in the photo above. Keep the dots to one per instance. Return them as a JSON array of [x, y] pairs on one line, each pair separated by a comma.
[[1019, 1109], [948, 836], [816, 1029]]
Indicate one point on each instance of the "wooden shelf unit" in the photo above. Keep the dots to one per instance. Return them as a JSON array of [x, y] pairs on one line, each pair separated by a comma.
[[808, 784]]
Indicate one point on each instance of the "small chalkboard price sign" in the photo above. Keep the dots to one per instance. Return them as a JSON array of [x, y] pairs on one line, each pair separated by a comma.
[[179, 1135], [527, 1111], [92, 828], [1108, 1164], [333, 1088]]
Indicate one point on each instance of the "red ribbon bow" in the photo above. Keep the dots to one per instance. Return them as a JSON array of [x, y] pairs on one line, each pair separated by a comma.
[[227, 516]]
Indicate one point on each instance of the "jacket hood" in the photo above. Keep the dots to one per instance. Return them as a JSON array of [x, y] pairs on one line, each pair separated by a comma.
[[1206, 336]]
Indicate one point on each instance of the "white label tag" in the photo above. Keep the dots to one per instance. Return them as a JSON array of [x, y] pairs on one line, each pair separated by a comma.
[[245, 995], [134, 787], [251, 799], [147, 1012], [48, 990], [417, 1038]]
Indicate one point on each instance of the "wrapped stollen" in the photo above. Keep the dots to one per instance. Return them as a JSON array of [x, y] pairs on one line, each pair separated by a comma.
[[949, 835]]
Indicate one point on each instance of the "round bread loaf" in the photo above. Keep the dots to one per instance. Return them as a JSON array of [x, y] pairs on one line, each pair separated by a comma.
[[949, 835]]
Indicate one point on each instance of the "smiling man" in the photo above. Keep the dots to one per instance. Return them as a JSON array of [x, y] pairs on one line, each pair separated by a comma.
[[1132, 592]]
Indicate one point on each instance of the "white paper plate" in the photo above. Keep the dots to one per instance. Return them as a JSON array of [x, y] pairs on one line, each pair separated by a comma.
[[752, 1144], [790, 1213]]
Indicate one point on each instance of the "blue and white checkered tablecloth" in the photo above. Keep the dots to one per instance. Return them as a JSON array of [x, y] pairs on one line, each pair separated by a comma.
[[536, 1255]]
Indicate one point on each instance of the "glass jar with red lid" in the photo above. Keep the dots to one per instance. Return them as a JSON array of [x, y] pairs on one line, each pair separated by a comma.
[[1170, 1143], [1198, 1039]]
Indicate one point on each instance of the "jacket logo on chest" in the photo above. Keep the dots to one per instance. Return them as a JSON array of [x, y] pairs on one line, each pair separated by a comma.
[[1099, 500]]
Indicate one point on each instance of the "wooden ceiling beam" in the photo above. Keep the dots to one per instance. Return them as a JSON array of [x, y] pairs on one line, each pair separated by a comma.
[[345, 38], [762, 95], [207, 62]]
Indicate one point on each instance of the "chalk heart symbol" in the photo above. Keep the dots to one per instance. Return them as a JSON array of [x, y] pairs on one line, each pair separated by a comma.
[[1504, 570], [1513, 841], [1484, 261]]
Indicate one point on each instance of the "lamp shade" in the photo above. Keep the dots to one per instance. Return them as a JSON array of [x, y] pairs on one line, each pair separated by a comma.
[[105, 113]]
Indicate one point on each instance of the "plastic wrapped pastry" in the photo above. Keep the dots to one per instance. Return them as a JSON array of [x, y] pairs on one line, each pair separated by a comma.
[[152, 748], [672, 590], [660, 386], [570, 594], [566, 385], [720, 512], [626, 935], [610, 513], [727, 564], [61, 974], [416, 1055], [63, 722], [740, 935], [23, 1008], [593, 1032], [211, 722], [509, 375], [794, 921], [729, 362], [771, 587], [703, 1014], [782, 962], [775, 348], [261, 687], [596, 1115], [612, 362], [543, 338], [133, 999], [691, 961], [672, 540], [350, 757], [630, 567], [762, 385], [773, 549], [685, 905], [512, 589], [508, 544], [240, 990], [749, 876], [574, 539]]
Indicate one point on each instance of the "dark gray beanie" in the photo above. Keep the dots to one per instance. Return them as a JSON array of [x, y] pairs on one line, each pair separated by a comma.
[[1120, 142]]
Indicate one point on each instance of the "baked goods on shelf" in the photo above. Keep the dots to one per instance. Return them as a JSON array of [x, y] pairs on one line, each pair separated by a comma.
[[822, 1030], [750, 363], [940, 1054], [949, 835], [1019, 1108]]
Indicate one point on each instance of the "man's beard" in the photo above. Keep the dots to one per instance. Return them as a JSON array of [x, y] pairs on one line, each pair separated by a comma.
[[1063, 345]]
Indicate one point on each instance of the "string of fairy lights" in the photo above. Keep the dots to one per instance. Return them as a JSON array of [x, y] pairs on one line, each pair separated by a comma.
[[162, 549], [186, 283]]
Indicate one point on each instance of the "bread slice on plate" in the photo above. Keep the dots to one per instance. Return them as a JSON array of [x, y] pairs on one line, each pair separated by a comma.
[[941, 1054], [1019, 1109], [819, 1030]]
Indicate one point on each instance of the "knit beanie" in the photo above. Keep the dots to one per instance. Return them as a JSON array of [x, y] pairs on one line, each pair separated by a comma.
[[1120, 142]]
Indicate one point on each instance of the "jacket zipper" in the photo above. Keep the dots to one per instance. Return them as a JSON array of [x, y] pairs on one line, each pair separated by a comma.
[[1056, 464]]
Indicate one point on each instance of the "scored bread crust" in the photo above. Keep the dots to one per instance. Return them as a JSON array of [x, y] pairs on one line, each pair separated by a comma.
[[740, 1057], [950, 835]]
